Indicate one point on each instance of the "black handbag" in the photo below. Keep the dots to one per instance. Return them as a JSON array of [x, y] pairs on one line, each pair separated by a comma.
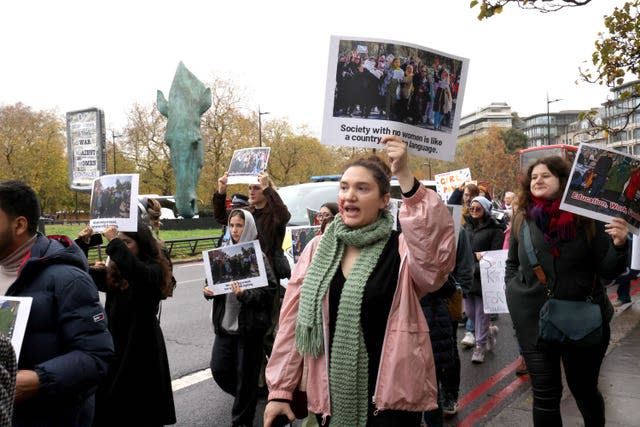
[[562, 321], [570, 322]]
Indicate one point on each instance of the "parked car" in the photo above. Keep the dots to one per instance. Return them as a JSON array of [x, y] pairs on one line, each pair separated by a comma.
[[312, 195]]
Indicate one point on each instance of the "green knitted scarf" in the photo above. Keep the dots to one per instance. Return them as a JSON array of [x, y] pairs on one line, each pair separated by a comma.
[[348, 364]]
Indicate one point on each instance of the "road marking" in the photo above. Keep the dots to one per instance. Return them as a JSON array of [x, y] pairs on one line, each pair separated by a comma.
[[191, 379], [482, 411], [488, 383]]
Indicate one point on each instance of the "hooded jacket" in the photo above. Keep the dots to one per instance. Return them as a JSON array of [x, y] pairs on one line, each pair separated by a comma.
[[66, 342]]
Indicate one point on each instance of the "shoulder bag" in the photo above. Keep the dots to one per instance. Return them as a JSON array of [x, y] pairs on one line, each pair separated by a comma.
[[577, 323]]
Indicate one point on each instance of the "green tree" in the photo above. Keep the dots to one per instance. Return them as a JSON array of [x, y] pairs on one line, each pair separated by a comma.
[[488, 160], [146, 152], [617, 51], [514, 140], [32, 149]]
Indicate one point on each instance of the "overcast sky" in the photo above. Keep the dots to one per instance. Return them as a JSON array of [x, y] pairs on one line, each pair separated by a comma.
[[70, 55]]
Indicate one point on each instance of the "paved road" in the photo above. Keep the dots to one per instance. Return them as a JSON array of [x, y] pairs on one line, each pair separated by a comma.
[[200, 402]]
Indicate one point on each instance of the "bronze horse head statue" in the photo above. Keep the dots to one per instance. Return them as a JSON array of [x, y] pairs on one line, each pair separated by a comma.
[[189, 99]]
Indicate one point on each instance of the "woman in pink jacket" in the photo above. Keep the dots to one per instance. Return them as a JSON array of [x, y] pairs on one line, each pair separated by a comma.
[[352, 308]]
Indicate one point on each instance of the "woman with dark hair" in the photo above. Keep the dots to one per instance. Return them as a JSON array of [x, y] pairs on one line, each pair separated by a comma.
[[328, 211], [575, 253], [135, 278], [361, 265], [240, 320]]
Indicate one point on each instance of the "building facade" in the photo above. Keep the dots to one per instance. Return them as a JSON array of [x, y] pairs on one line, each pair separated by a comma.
[[497, 114]]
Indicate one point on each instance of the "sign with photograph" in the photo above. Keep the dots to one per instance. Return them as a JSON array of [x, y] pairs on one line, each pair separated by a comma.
[[240, 263], [604, 184], [85, 147], [492, 268], [246, 164], [381, 87], [114, 201], [14, 314], [313, 216], [300, 236]]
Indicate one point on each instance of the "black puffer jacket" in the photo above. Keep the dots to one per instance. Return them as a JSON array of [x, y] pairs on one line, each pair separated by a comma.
[[435, 311], [484, 236], [66, 341]]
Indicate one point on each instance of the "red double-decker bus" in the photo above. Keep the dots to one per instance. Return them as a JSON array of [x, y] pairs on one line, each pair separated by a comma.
[[528, 155]]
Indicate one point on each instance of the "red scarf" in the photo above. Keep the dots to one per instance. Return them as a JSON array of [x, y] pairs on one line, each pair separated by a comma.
[[556, 225]]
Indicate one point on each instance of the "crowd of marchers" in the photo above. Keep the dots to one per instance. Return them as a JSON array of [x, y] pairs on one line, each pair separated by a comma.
[[309, 349]]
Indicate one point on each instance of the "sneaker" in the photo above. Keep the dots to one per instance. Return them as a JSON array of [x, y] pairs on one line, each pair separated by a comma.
[[450, 407], [478, 355], [469, 340], [522, 367], [618, 303], [492, 338]]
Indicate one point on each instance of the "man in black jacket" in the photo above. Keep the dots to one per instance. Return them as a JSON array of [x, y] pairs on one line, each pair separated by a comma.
[[66, 346]]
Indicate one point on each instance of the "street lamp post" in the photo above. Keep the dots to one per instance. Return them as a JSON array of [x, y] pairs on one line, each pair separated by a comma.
[[260, 114], [113, 138], [548, 118]]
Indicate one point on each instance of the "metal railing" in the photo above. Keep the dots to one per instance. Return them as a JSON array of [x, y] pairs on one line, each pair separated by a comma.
[[177, 248]]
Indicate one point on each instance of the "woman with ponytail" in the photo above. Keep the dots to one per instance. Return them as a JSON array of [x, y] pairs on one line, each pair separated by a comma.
[[352, 309]]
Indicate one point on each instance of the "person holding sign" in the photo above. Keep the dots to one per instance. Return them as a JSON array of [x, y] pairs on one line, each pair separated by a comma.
[[361, 266], [485, 234], [558, 255], [67, 347], [135, 278], [240, 320]]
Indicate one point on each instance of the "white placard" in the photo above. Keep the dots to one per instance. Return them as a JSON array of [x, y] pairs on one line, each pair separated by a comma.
[[447, 182], [492, 267], [14, 314], [114, 201], [424, 132], [635, 253], [246, 164], [240, 263]]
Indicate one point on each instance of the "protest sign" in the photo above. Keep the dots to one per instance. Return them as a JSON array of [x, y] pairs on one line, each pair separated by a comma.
[[246, 164], [447, 182], [240, 263], [604, 184], [492, 268], [14, 314], [300, 236], [114, 202], [382, 87]]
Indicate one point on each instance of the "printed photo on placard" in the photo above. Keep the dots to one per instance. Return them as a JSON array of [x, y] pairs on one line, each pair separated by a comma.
[[14, 314], [246, 164], [114, 201], [604, 184], [379, 87], [312, 214], [300, 236], [240, 263]]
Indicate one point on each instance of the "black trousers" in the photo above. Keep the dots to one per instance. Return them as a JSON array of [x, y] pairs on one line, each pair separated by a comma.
[[235, 367], [581, 368], [450, 381]]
